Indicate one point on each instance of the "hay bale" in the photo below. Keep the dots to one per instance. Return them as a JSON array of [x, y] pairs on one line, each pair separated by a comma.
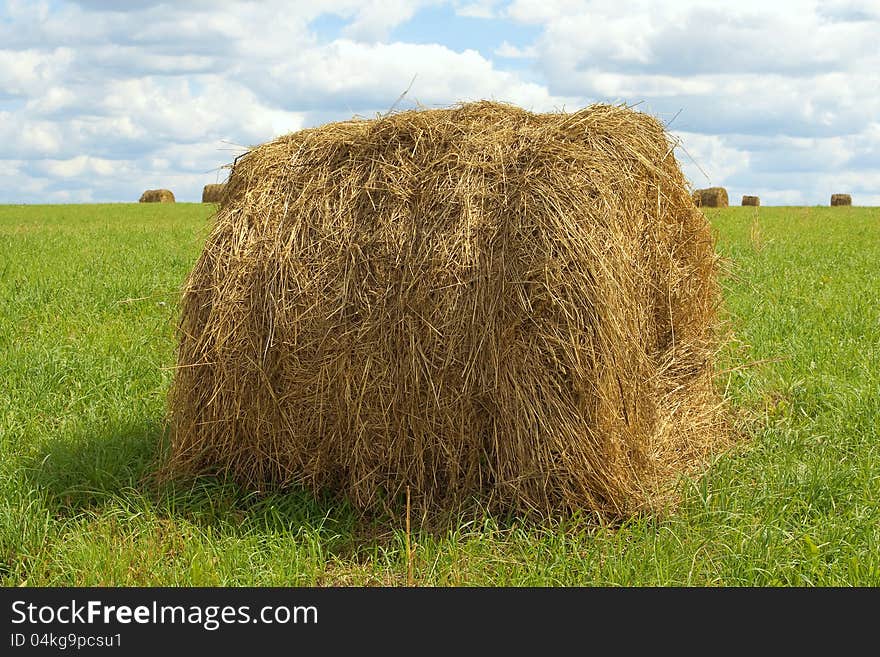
[[711, 197], [476, 302], [841, 199], [751, 200], [157, 196], [213, 193]]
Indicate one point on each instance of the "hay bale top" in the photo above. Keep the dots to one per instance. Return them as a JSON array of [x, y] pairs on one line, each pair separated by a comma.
[[711, 197], [475, 302], [213, 193], [751, 200], [841, 199], [157, 196]]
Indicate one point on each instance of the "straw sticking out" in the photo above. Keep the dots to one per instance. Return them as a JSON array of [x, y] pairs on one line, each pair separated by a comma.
[[475, 302]]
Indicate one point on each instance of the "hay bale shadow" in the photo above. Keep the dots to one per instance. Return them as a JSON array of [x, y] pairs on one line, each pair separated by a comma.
[[102, 469], [98, 468], [93, 464]]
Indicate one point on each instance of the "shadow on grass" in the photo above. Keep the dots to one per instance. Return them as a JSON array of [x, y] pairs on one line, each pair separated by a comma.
[[110, 470], [95, 465], [113, 467]]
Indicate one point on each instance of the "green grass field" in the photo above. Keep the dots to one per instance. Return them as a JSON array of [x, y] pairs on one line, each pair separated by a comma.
[[87, 310]]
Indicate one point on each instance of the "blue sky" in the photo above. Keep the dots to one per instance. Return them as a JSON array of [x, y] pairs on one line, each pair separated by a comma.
[[100, 100]]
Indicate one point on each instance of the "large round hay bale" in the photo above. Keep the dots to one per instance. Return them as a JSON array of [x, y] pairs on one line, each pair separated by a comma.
[[841, 199], [711, 197], [751, 200], [213, 193], [157, 196], [476, 302]]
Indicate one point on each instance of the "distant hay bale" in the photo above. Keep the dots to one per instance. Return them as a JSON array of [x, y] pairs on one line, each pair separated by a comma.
[[213, 193], [711, 197], [841, 199], [157, 196], [476, 303], [751, 200]]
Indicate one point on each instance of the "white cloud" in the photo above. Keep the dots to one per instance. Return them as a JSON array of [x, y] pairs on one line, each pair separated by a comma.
[[376, 18], [30, 72], [99, 99], [543, 11], [478, 9], [325, 78], [512, 52], [766, 166], [854, 11], [80, 165], [709, 160], [27, 138]]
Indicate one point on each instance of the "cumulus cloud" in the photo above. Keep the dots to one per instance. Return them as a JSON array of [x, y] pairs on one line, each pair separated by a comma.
[[32, 72], [799, 76], [323, 78], [479, 9], [709, 160], [513, 52], [99, 98], [376, 18]]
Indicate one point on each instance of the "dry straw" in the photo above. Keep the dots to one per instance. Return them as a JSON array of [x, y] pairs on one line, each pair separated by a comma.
[[712, 197], [213, 193], [157, 196], [841, 199], [751, 200], [476, 303]]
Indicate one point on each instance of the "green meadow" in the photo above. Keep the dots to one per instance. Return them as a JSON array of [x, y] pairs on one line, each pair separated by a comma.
[[88, 301]]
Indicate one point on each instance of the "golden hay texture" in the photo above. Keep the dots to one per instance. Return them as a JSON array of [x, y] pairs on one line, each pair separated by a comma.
[[213, 193], [476, 302], [157, 196], [841, 199], [751, 200], [712, 197]]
